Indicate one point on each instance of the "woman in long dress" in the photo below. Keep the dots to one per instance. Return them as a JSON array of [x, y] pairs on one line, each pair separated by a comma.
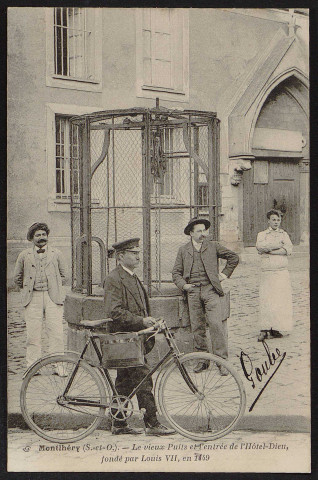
[[275, 295]]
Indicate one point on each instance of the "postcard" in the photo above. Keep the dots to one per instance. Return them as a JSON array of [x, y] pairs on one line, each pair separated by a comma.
[[158, 240]]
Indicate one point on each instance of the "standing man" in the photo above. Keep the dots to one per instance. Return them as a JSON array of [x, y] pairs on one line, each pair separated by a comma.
[[40, 272], [196, 273], [126, 302]]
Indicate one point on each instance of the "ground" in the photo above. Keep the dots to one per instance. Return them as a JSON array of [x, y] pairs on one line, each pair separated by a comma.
[[281, 415]]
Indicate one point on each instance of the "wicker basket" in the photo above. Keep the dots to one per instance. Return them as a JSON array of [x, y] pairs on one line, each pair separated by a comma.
[[122, 350]]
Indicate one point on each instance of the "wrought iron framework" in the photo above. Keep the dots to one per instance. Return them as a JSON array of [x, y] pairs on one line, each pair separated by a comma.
[[142, 173]]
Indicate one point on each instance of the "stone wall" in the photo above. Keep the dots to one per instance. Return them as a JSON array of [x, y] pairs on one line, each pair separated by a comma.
[[224, 44], [171, 308]]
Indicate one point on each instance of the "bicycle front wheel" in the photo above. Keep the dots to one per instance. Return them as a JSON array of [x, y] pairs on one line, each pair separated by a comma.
[[54, 416], [213, 407]]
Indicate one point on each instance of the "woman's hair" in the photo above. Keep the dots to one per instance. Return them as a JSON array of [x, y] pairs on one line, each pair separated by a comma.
[[273, 212]]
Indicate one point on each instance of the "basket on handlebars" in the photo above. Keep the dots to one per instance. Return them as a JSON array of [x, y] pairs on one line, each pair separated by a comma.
[[122, 350]]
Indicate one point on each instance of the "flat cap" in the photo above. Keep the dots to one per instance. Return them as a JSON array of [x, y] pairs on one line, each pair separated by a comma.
[[131, 243], [37, 226]]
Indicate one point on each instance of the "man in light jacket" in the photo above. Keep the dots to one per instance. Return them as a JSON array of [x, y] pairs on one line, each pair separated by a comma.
[[196, 273], [40, 272]]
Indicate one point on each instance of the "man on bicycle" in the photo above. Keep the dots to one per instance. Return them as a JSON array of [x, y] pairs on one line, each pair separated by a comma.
[[126, 302]]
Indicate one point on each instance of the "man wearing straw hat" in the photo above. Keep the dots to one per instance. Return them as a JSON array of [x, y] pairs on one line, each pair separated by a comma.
[[196, 273]]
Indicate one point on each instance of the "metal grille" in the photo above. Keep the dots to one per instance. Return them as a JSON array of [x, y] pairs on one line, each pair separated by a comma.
[[116, 191], [141, 174]]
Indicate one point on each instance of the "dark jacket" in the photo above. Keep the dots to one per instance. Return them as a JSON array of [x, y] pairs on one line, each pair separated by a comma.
[[210, 252], [124, 305]]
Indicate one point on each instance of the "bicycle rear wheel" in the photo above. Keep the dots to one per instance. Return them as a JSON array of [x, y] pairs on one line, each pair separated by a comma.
[[50, 415], [216, 406]]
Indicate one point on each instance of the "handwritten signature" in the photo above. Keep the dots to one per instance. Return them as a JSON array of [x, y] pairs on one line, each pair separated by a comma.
[[258, 373]]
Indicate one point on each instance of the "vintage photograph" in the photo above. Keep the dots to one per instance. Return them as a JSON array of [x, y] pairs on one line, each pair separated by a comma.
[[158, 240]]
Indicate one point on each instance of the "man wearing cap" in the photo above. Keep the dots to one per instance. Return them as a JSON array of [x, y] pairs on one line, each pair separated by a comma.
[[126, 302], [195, 272], [40, 272]]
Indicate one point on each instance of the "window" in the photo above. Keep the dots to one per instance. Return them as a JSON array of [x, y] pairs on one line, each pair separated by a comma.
[[66, 148], [203, 197], [162, 52], [168, 181], [74, 42], [166, 186], [62, 145], [157, 43]]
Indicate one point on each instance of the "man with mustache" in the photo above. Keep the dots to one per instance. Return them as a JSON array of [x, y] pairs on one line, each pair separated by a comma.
[[196, 273], [40, 272]]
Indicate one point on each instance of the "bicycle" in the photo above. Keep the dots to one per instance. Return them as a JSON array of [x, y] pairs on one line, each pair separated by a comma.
[[201, 406]]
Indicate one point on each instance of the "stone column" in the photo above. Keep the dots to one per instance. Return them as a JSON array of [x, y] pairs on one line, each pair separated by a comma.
[[232, 200], [304, 200]]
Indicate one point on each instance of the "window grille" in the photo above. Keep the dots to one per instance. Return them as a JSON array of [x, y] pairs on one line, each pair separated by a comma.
[[66, 147], [72, 43]]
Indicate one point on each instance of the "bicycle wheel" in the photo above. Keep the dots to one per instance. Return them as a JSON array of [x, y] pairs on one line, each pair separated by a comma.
[[45, 410], [212, 411]]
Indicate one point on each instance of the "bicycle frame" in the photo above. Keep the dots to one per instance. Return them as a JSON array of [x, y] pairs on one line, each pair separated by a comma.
[[172, 353]]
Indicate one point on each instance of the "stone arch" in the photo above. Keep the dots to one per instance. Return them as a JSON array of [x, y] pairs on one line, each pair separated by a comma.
[[244, 117], [263, 96]]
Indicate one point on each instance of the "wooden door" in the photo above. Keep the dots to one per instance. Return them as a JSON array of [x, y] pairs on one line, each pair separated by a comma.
[[271, 183]]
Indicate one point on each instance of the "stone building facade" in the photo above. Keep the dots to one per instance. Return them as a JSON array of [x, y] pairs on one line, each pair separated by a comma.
[[250, 66]]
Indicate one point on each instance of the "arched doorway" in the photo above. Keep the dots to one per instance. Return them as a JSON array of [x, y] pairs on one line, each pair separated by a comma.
[[280, 143]]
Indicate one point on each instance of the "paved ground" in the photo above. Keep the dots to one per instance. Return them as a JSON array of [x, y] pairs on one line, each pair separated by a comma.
[[284, 404], [101, 452]]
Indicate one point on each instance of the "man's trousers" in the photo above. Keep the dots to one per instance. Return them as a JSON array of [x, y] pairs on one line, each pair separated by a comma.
[[205, 308], [39, 307], [127, 379]]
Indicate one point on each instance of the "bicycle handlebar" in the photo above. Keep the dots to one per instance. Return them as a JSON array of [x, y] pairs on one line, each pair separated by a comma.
[[159, 323]]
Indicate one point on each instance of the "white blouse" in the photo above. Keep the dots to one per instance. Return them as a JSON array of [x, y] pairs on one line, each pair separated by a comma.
[[274, 238]]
